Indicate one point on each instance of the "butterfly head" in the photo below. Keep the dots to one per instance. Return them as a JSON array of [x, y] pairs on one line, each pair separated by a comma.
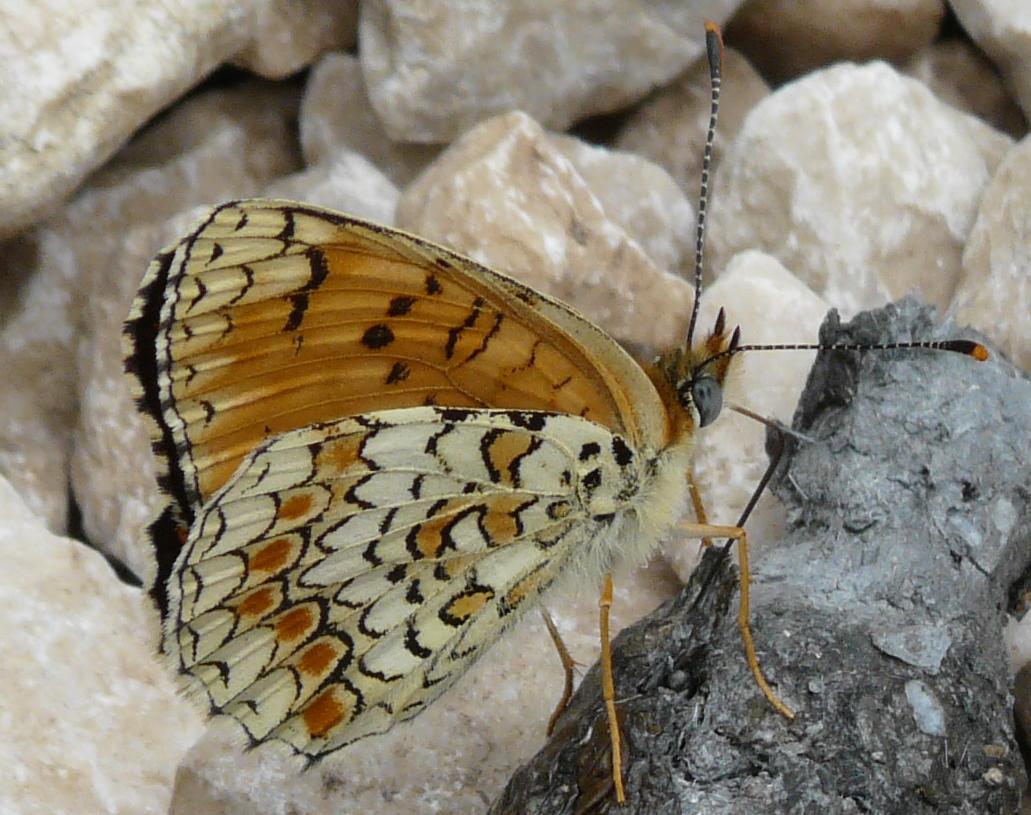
[[697, 374]]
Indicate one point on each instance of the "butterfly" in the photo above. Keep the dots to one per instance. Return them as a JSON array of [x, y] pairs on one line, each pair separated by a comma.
[[378, 454]]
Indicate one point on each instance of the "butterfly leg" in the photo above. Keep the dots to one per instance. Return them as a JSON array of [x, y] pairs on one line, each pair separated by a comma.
[[608, 687], [568, 664], [736, 533], [698, 505]]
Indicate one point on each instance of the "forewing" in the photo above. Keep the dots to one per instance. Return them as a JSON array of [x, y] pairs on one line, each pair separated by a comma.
[[349, 572], [273, 315]]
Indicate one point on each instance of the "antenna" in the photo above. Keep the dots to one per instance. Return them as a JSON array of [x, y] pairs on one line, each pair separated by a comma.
[[966, 347], [714, 49]]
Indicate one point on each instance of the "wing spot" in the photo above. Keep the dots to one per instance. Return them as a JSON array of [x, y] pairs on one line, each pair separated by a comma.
[[339, 455], [589, 450], [377, 336], [432, 284], [460, 608], [294, 624], [398, 373], [316, 659], [324, 713], [257, 603], [294, 507], [272, 557], [400, 306]]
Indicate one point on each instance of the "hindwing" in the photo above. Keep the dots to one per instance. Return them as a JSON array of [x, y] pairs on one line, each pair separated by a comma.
[[350, 571]]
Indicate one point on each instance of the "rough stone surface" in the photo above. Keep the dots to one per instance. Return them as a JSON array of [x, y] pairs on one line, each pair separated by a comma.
[[91, 721], [436, 69], [336, 116], [669, 127], [80, 78], [858, 180], [287, 35], [994, 291], [785, 38], [505, 196], [350, 183], [771, 306], [911, 508], [957, 73], [639, 196], [1003, 31]]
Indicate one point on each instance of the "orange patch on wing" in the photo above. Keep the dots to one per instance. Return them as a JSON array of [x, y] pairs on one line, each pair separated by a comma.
[[295, 507], [257, 603], [339, 455], [272, 557], [324, 713], [465, 605], [500, 521], [505, 451], [294, 624], [527, 587], [429, 538], [317, 659]]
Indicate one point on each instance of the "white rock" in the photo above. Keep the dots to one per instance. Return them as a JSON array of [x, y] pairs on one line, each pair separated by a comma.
[[1018, 641], [436, 69], [218, 145], [772, 306], [349, 184], [957, 73], [785, 38], [454, 757], [91, 721], [336, 116], [287, 36], [504, 195], [860, 181], [80, 78], [1002, 28], [669, 128], [639, 196], [994, 292]]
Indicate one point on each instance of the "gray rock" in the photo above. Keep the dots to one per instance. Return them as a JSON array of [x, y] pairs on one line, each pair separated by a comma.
[[911, 509]]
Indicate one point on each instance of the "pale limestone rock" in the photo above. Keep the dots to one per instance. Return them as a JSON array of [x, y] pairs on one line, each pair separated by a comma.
[[81, 78], [1018, 641], [455, 757], [1002, 28], [860, 181], [219, 145], [91, 721], [669, 128], [436, 69], [772, 306], [336, 116], [349, 184], [639, 196], [994, 291], [504, 195], [287, 35], [786, 38], [959, 74]]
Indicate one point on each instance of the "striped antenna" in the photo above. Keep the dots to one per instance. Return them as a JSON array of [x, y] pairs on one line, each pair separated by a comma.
[[965, 347], [714, 49]]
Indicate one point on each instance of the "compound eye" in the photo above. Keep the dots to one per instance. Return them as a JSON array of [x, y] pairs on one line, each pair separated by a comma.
[[707, 396]]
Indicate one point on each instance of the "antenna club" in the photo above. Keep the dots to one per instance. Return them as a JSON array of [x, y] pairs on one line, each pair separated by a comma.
[[714, 46], [971, 349]]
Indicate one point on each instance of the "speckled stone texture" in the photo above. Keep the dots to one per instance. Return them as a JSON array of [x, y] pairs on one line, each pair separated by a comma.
[[877, 617]]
